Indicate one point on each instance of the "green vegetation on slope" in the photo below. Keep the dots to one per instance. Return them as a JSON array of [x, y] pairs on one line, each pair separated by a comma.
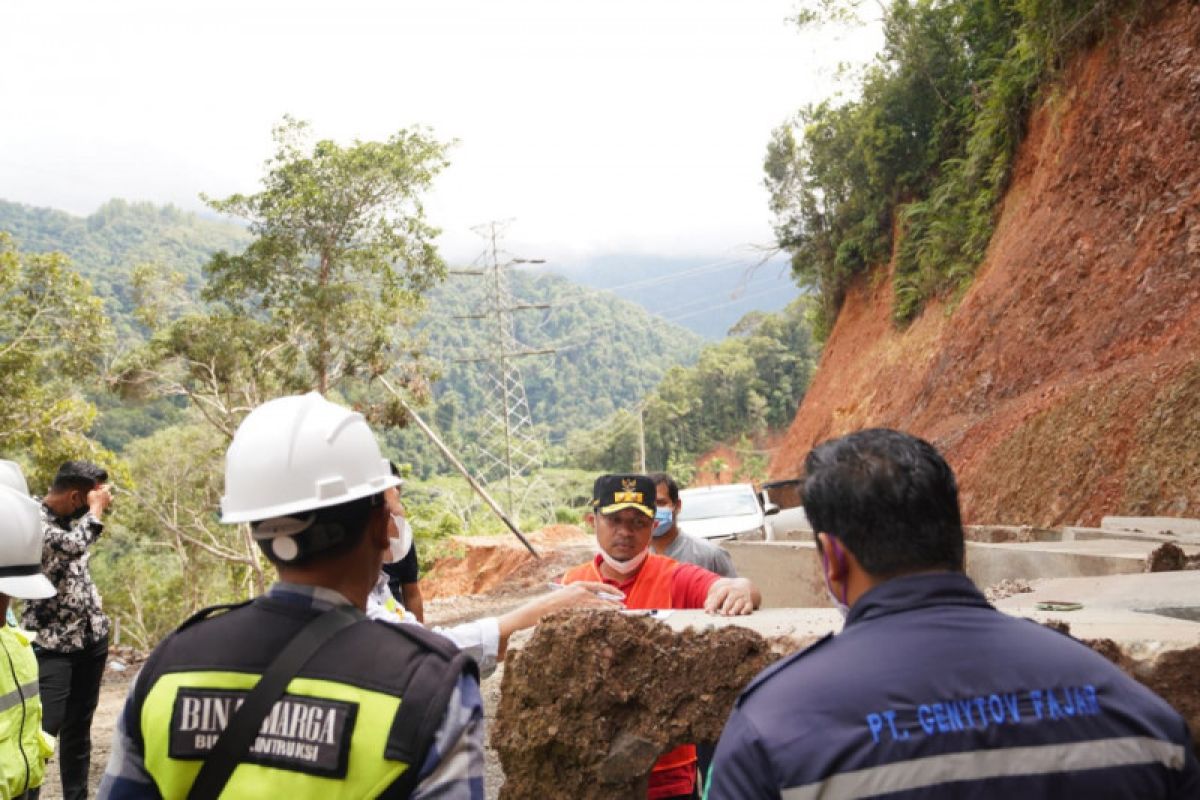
[[107, 245], [610, 353], [591, 376], [744, 386], [927, 149]]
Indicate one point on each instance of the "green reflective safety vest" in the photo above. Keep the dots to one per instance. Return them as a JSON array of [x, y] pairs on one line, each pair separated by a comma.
[[361, 713], [24, 746]]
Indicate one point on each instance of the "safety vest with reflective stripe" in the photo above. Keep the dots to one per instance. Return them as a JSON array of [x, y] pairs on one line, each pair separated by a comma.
[[651, 589], [24, 747], [343, 728], [372, 711]]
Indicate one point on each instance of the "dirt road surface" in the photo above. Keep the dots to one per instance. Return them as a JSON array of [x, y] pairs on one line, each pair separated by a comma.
[[112, 697]]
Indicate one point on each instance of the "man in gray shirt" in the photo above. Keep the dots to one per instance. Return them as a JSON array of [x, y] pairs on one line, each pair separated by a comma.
[[669, 541]]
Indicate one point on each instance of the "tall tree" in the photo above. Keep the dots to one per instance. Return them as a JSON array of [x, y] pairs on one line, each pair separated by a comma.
[[319, 300], [342, 251], [53, 335]]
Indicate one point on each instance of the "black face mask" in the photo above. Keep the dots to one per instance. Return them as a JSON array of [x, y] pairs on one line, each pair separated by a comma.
[[77, 513]]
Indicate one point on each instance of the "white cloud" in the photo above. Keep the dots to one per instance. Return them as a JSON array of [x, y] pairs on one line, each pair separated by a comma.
[[616, 125]]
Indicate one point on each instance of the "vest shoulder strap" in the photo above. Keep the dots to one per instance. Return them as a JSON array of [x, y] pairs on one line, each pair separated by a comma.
[[234, 741], [210, 611]]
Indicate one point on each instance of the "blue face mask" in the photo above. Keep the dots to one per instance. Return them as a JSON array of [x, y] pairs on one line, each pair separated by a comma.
[[664, 519]]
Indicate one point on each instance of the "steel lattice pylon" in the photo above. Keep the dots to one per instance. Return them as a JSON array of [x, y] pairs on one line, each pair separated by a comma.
[[506, 449]]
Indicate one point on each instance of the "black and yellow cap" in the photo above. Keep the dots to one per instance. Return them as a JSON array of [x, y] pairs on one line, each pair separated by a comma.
[[611, 493]]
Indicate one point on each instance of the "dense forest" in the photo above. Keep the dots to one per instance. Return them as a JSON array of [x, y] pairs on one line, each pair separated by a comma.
[[589, 377], [739, 390]]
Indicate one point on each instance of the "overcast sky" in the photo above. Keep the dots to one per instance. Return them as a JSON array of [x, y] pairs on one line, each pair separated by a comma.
[[598, 127]]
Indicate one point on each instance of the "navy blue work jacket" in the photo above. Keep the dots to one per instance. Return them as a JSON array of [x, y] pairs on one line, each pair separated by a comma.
[[930, 692]]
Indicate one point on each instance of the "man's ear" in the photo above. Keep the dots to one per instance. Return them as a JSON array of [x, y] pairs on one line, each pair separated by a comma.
[[590, 519], [377, 526], [835, 556]]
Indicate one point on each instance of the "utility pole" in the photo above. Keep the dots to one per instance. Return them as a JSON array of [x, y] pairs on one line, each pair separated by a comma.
[[458, 465], [506, 447], [642, 439]]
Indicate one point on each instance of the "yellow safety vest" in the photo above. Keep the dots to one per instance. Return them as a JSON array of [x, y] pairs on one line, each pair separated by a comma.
[[24, 746], [306, 729], [360, 713]]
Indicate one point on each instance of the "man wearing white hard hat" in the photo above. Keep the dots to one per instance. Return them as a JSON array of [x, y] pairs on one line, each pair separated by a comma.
[[296, 694], [24, 747]]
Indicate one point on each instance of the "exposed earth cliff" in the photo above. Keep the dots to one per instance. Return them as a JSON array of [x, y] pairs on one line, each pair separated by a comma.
[[1065, 385]]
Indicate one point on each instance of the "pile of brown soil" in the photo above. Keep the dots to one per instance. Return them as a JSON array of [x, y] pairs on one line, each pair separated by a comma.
[[1066, 383], [1167, 557], [1174, 676], [594, 698]]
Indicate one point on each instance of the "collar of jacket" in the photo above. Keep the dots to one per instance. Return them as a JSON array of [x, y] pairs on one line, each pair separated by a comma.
[[910, 592]]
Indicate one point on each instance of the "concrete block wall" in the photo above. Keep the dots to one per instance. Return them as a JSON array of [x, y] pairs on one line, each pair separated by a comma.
[[788, 573]]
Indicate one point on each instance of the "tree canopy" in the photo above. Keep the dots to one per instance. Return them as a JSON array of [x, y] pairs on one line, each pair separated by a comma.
[[54, 337], [341, 254]]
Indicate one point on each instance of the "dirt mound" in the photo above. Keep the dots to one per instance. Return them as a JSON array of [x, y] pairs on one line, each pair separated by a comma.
[[1166, 558], [587, 707], [494, 562], [1066, 384], [1174, 676]]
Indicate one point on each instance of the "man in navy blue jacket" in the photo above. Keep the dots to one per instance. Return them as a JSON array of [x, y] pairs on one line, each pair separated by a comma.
[[929, 691]]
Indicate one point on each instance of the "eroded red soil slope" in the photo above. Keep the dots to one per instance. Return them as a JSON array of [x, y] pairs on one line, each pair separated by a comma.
[[1066, 384]]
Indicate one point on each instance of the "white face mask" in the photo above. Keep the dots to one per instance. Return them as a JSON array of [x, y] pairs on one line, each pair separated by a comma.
[[398, 547], [625, 567]]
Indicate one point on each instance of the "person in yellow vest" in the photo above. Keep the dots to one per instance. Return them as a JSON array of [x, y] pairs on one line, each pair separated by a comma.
[[358, 708], [622, 517], [24, 747]]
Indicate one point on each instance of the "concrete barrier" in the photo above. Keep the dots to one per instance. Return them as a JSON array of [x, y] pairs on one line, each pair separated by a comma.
[[1178, 526], [988, 564], [789, 572]]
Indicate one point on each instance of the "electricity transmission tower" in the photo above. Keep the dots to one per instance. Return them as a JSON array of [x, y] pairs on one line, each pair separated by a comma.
[[506, 447]]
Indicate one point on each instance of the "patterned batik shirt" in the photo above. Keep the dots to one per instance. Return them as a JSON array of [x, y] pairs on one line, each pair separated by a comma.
[[73, 619]]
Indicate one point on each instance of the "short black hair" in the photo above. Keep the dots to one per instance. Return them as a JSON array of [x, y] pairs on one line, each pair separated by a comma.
[[335, 530], [82, 475], [890, 498], [661, 478]]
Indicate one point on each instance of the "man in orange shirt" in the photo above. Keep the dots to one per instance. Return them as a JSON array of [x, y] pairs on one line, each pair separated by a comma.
[[623, 518]]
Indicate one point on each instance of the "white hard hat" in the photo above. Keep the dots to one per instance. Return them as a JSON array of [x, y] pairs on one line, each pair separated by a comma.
[[21, 544], [12, 477], [297, 454]]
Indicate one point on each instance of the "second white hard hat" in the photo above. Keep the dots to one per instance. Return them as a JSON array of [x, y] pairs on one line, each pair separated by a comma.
[[12, 477], [300, 453], [20, 538]]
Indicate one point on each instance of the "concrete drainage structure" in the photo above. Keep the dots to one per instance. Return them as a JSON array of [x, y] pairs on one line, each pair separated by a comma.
[[594, 697]]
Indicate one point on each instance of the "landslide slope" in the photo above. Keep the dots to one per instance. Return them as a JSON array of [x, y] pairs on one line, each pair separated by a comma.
[[1066, 383]]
